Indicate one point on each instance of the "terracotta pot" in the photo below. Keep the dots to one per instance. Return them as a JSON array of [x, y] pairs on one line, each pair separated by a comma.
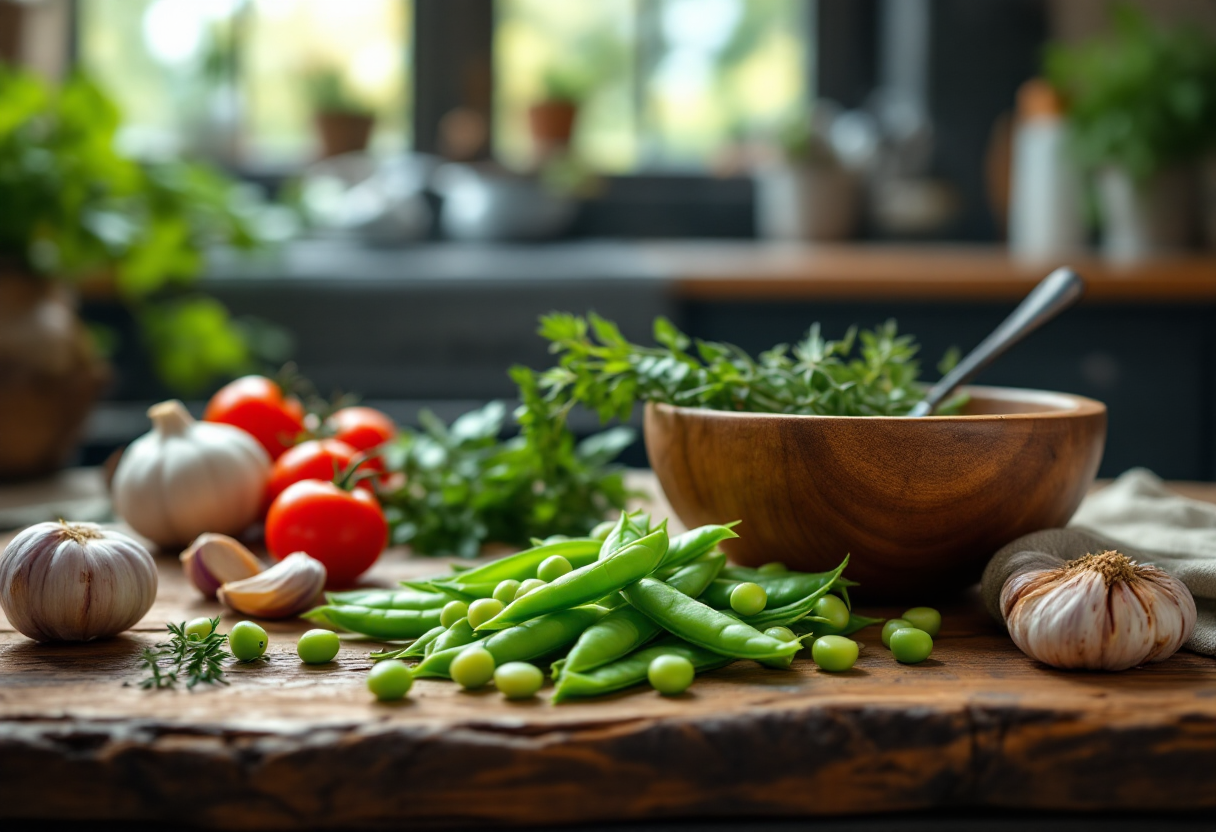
[[343, 132], [1142, 219], [552, 124], [50, 375]]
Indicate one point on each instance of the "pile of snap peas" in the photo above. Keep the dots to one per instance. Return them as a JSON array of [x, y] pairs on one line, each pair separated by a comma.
[[623, 606]]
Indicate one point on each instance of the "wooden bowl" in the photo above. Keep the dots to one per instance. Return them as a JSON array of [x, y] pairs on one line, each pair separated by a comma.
[[919, 504]]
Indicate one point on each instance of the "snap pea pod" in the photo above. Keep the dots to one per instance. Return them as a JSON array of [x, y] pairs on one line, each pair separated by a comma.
[[387, 599], [522, 565], [632, 669], [628, 529], [459, 634], [586, 584], [389, 625], [416, 648], [530, 640], [692, 544], [806, 627], [702, 625], [796, 611], [781, 589], [623, 630]]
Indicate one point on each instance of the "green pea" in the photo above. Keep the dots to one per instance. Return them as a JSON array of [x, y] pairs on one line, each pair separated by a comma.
[[453, 611], [247, 641], [199, 628], [390, 680], [924, 618], [482, 610], [748, 598], [834, 653], [601, 531], [834, 610], [552, 568], [670, 675], [781, 633], [317, 646], [774, 568], [472, 668], [910, 645], [890, 627], [529, 585], [505, 592], [518, 680]]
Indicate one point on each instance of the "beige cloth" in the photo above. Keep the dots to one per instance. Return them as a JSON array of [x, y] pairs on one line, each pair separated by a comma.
[[1138, 515]]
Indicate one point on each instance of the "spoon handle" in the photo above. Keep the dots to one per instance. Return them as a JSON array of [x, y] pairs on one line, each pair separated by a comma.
[[1055, 293]]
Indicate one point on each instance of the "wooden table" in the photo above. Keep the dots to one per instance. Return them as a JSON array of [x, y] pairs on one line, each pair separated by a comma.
[[288, 745]]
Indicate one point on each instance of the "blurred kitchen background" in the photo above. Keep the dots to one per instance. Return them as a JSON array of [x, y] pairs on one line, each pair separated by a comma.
[[388, 193]]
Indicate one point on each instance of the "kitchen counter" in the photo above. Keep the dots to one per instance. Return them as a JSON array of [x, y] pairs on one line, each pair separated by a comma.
[[978, 726]]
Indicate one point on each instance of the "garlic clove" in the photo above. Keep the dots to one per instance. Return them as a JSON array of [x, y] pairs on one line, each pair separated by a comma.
[[285, 589], [217, 559]]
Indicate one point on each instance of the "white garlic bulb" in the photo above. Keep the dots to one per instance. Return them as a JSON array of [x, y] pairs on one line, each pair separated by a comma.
[[75, 582], [186, 477], [1098, 612]]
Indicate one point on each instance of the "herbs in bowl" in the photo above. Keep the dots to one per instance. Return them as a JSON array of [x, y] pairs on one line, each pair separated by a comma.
[[809, 446]]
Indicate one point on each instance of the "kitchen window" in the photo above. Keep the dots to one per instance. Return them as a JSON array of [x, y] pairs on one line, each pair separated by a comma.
[[665, 85]]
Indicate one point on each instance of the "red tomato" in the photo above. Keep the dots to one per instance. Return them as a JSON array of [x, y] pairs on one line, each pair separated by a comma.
[[345, 530], [257, 406], [363, 428], [316, 459]]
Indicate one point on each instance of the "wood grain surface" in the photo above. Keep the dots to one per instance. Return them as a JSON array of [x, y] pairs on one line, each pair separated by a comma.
[[919, 504], [290, 746], [704, 270]]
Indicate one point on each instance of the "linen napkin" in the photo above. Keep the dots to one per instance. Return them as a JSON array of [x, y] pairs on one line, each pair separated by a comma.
[[1138, 515]]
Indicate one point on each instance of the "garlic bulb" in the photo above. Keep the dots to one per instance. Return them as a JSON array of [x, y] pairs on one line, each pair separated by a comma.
[[75, 582], [1099, 612], [287, 588], [216, 559], [186, 477]]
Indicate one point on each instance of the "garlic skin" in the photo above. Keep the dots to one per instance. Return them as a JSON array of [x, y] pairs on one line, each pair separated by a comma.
[[217, 559], [285, 589], [1099, 612], [75, 582], [186, 477]]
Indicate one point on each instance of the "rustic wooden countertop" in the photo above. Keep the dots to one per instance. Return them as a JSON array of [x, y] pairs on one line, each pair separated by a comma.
[[287, 745], [929, 272]]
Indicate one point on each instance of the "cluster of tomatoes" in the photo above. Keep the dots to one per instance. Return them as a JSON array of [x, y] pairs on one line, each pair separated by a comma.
[[318, 497]]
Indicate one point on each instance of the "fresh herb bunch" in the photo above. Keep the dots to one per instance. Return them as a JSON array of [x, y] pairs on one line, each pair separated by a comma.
[[1142, 97], [464, 487], [871, 373], [195, 660]]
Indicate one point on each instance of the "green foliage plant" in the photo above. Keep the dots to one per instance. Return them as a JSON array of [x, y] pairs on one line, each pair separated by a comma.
[[329, 93], [1142, 97], [73, 208]]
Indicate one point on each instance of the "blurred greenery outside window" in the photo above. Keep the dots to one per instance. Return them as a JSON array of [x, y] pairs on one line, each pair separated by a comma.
[[231, 80], [662, 84]]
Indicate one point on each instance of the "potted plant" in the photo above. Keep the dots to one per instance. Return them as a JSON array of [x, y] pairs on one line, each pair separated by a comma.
[[805, 193], [344, 123], [552, 119], [77, 215], [1141, 103]]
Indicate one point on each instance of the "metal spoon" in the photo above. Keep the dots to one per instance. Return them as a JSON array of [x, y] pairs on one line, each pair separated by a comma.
[[1058, 291]]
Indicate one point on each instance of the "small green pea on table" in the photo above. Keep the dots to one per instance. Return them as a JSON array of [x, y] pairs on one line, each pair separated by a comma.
[[289, 744]]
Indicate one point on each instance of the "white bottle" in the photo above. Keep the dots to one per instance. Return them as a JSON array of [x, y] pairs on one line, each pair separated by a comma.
[[1045, 196]]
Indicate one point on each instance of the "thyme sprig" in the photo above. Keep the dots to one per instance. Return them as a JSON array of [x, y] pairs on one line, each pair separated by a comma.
[[194, 659], [865, 373]]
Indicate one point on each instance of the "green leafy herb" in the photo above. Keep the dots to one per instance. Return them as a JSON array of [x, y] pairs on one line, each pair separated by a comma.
[[871, 373], [1142, 97], [76, 209], [193, 659], [465, 487]]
